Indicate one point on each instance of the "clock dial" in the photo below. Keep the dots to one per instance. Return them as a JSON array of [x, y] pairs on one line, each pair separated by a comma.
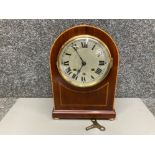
[[84, 61]]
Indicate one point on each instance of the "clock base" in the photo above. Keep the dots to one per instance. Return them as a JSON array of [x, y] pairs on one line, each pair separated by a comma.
[[84, 114]]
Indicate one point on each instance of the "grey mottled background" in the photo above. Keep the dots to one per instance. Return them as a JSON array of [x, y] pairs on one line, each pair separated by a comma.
[[25, 47]]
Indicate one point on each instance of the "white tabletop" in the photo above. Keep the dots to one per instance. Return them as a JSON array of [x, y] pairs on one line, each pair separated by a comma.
[[33, 116]]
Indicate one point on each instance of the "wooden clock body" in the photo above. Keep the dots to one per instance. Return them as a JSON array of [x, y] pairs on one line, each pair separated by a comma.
[[73, 102]]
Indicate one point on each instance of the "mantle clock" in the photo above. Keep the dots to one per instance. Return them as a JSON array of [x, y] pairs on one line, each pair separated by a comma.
[[83, 68]]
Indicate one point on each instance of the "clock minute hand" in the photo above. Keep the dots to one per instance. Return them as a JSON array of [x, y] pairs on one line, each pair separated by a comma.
[[79, 55]]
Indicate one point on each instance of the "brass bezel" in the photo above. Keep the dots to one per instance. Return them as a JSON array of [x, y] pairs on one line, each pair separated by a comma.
[[92, 83]]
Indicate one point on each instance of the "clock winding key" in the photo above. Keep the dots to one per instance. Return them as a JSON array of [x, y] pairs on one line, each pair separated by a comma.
[[95, 125]]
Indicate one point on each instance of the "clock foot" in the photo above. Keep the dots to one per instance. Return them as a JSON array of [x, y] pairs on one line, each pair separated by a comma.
[[112, 119], [56, 118]]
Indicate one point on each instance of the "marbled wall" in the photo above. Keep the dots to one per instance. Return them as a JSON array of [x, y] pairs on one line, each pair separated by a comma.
[[25, 47]]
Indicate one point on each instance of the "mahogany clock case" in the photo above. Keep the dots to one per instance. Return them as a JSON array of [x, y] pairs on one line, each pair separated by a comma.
[[91, 102]]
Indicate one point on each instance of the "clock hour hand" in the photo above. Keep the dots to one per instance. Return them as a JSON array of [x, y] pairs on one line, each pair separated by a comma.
[[79, 70], [83, 64]]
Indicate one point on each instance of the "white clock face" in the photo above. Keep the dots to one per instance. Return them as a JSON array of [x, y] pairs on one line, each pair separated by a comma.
[[84, 61]]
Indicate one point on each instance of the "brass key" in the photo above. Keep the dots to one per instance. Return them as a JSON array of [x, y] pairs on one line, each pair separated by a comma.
[[95, 125]]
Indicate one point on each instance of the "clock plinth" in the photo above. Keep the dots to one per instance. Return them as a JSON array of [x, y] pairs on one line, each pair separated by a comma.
[[84, 114], [91, 94]]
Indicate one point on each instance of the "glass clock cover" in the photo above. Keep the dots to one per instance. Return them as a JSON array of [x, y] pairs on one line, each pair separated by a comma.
[[84, 61]]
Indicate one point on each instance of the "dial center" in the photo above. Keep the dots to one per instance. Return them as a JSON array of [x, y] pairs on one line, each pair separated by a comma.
[[84, 63]]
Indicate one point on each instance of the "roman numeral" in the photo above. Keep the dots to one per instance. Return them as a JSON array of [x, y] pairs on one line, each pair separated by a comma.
[[92, 77], [98, 71], [93, 47], [66, 63], [74, 76], [67, 54], [84, 45], [102, 62], [74, 46], [83, 79], [68, 70]]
